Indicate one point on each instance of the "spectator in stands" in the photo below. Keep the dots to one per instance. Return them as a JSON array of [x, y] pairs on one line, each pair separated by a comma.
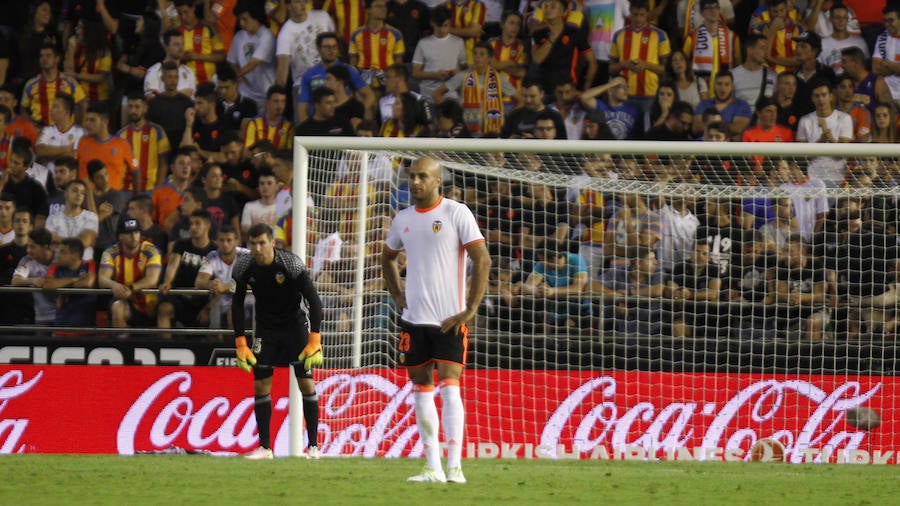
[[41, 30], [647, 52], [450, 122], [167, 197], [712, 46], [677, 126], [780, 31], [766, 128], [640, 278], [7, 207], [14, 309], [467, 19], [596, 128], [5, 138], [557, 281], [840, 38], [680, 73], [406, 121], [884, 126], [18, 125], [15, 180], [808, 69], [75, 221], [778, 231], [296, 49], [73, 269], [324, 121], [749, 281], [697, 283], [222, 207], [185, 80], [203, 47], [679, 227], [823, 16], [234, 109], [622, 117], [510, 53], [252, 52], [569, 107], [789, 112], [34, 170], [375, 45], [215, 275], [347, 107], [870, 88], [666, 96], [413, 19], [40, 90], [271, 124], [262, 210], [735, 112], [148, 142], [88, 60], [561, 49], [826, 125], [846, 102], [633, 224], [315, 77], [481, 89], [106, 202], [753, 79], [32, 270], [439, 56], [115, 152], [203, 128], [128, 267], [194, 199], [396, 81], [521, 122], [167, 108], [140, 208], [240, 173], [885, 52], [147, 50], [62, 136], [722, 232], [587, 208], [801, 292], [181, 272]]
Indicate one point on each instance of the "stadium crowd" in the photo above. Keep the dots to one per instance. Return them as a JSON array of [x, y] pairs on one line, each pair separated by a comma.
[[141, 140]]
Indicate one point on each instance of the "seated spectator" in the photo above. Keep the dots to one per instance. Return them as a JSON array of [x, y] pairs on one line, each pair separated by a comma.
[[871, 89], [779, 27], [271, 125], [748, 281], [640, 278], [735, 112], [767, 129], [439, 56], [167, 197], [375, 45], [140, 208], [560, 48], [15, 309], [722, 232], [838, 20], [845, 96], [639, 53], [127, 268], [502, 303], [789, 112], [202, 127], [753, 79], [167, 107], [222, 206], [596, 128], [808, 69], [666, 96], [622, 117], [396, 82], [75, 221], [588, 209], [569, 107], [73, 269], [115, 152], [15, 180], [181, 272], [65, 170], [680, 72], [884, 127], [183, 80], [203, 47], [88, 60], [106, 202], [679, 227], [329, 52], [406, 121], [347, 106], [215, 275], [7, 206], [450, 122], [633, 224], [695, 282], [32, 270], [5, 138], [252, 52], [481, 89], [324, 120], [61, 138], [41, 89], [520, 122], [262, 210], [801, 293], [827, 125], [677, 126], [194, 199], [299, 45], [558, 284], [148, 142], [234, 109]]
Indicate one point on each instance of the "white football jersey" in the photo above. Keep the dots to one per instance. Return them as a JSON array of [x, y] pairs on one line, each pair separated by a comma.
[[435, 241], [217, 268]]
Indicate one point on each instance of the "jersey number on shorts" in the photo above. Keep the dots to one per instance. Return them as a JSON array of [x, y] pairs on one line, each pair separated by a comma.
[[404, 342]]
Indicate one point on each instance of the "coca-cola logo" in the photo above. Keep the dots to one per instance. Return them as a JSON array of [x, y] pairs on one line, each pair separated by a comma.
[[671, 426], [13, 385]]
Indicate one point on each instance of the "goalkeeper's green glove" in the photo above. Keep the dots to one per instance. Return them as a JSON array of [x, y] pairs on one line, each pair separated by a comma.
[[311, 356], [245, 358]]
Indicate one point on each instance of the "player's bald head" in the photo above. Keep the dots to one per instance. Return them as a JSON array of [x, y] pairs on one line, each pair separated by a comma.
[[428, 164]]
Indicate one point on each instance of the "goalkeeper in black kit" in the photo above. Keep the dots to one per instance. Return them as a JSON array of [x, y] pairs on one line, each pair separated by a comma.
[[286, 333]]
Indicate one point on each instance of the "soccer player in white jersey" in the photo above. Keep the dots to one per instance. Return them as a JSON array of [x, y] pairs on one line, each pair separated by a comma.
[[437, 235]]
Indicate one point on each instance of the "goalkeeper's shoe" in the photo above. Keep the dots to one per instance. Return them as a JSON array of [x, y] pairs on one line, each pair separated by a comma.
[[455, 475], [259, 454], [429, 475], [313, 453]]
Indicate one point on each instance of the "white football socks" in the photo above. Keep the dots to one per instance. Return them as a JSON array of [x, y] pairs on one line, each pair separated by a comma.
[[454, 419], [427, 423]]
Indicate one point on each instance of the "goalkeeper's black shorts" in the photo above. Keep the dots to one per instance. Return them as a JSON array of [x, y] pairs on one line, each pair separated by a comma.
[[279, 348], [421, 344]]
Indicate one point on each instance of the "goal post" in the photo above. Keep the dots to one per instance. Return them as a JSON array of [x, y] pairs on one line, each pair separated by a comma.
[[787, 303]]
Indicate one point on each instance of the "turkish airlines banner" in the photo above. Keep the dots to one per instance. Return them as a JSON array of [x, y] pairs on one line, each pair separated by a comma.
[[509, 414]]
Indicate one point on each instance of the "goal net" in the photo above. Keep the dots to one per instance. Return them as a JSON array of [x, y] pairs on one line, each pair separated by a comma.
[[646, 300]]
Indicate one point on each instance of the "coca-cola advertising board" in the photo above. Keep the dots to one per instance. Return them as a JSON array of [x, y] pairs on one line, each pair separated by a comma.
[[509, 414]]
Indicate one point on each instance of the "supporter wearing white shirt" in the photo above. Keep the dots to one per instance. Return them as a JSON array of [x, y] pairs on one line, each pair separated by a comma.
[[753, 74], [173, 43], [295, 48], [841, 37], [825, 125], [252, 54], [679, 226], [61, 137], [75, 221], [439, 56], [262, 210], [215, 275]]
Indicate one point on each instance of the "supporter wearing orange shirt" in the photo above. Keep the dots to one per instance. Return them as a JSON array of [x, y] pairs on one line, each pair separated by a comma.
[[203, 47], [766, 129], [221, 15], [114, 152], [18, 125], [845, 92], [167, 197]]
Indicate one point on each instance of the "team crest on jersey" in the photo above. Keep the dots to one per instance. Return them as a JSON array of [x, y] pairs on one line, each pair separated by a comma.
[[402, 358], [436, 226], [279, 278], [145, 137]]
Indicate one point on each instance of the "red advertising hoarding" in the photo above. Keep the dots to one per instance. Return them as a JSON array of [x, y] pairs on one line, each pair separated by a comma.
[[509, 414]]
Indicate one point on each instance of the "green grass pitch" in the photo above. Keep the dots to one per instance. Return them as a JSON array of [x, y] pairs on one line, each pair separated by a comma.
[[193, 479]]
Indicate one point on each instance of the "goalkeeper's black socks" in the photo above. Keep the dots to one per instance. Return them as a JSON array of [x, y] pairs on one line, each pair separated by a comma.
[[311, 415], [262, 408]]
